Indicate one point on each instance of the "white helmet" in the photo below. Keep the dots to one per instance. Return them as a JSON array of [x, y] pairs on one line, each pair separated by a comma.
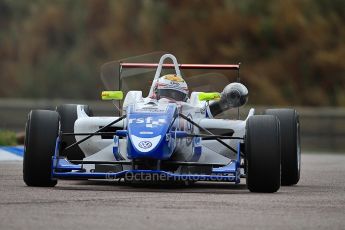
[[173, 87]]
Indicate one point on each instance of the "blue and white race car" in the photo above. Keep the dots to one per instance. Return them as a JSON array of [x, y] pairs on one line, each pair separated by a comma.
[[169, 135]]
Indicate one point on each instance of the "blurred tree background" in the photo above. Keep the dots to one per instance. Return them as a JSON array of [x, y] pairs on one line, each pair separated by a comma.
[[292, 52]]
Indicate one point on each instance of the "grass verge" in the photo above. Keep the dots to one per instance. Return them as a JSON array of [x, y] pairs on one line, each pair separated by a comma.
[[7, 137]]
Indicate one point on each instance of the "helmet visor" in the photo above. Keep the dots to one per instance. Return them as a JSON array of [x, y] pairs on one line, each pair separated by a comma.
[[172, 94]]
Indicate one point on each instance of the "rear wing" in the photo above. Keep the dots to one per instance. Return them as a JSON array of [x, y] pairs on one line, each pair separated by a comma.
[[181, 66]]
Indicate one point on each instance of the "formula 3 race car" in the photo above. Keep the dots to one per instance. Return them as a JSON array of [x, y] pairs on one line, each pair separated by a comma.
[[169, 135]]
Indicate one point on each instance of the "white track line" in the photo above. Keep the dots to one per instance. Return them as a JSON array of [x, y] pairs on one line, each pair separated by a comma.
[[7, 156]]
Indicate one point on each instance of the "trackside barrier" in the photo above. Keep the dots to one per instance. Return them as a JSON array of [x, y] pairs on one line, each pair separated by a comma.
[[322, 128]]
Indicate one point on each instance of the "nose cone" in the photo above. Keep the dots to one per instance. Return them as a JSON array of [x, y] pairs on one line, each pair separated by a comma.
[[147, 134]]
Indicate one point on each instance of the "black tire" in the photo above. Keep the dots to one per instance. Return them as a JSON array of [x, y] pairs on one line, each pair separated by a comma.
[[68, 115], [262, 150], [41, 131], [290, 144]]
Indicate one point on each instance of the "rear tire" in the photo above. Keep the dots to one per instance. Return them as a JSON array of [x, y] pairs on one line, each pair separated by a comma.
[[262, 149], [42, 129], [68, 115], [290, 144]]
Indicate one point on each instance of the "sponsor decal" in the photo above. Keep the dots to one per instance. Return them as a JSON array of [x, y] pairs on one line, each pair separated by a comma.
[[174, 83], [145, 132], [190, 128], [145, 144], [149, 121], [150, 108]]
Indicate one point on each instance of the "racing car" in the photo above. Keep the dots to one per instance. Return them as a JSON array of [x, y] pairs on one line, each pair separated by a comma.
[[165, 133]]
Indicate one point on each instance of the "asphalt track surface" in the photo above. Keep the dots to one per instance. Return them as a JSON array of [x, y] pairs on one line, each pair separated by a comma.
[[317, 202]]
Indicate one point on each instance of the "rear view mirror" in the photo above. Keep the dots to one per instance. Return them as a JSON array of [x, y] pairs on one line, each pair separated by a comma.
[[112, 95], [209, 96]]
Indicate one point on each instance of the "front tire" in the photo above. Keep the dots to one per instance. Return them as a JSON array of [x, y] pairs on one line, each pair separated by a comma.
[[290, 144], [262, 149], [42, 130]]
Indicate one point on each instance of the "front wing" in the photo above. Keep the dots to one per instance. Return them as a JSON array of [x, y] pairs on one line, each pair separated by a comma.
[[64, 169]]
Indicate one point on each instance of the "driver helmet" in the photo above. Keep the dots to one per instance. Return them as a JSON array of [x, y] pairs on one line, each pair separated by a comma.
[[173, 87]]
